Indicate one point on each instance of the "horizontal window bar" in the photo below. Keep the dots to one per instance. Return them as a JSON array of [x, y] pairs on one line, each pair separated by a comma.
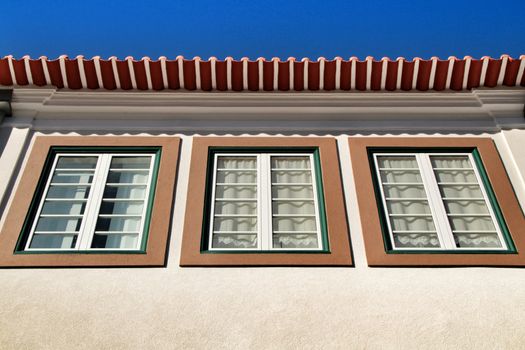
[[236, 184], [119, 216], [294, 215], [466, 215], [475, 231], [406, 199], [144, 170], [403, 183], [291, 169], [455, 169], [233, 233], [420, 231], [236, 215], [125, 184], [458, 183], [400, 169], [59, 233], [235, 199], [92, 170], [291, 184], [463, 199], [292, 199], [402, 215], [226, 169], [61, 215], [116, 233]]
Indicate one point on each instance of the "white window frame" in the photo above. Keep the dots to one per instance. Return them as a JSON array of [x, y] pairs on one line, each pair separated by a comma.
[[264, 202], [435, 201], [90, 216]]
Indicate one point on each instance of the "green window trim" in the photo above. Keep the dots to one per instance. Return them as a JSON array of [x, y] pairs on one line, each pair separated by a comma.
[[500, 221], [208, 194], [45, 173]]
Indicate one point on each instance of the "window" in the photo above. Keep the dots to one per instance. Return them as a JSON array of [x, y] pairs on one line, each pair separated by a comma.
[[428, 201], [264, 201], [92, 201], [436, 201]]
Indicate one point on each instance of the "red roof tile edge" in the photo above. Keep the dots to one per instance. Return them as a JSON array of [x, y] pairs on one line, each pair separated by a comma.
[[195, 74]]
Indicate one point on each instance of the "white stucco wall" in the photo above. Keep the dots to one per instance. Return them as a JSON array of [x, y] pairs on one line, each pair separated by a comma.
[[269, 308]]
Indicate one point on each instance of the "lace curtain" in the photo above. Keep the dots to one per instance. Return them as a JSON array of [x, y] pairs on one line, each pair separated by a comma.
[[408, 207], [235, 223]]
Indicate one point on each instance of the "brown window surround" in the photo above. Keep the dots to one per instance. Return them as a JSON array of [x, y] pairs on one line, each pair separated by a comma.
[[337, 228], [369, 212], [160, 215]]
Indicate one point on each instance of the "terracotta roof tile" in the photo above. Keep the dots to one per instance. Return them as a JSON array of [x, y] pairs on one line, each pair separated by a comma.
[[264, 75]]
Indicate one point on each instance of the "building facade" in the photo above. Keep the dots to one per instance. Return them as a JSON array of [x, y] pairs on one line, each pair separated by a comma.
[[262, 204]]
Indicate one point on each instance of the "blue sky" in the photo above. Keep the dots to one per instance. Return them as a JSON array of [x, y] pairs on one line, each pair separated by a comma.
[[263, 28]]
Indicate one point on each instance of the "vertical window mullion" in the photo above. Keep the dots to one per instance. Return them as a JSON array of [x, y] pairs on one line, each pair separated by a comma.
[[316, 200], [437, 207], [146, 202], [264, 197], [93, 203], [213, 198]]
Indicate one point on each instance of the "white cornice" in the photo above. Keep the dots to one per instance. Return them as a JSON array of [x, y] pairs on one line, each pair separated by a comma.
[[478, 109]]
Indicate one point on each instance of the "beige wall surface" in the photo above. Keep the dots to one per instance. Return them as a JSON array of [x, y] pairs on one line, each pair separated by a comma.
[[270, 308]]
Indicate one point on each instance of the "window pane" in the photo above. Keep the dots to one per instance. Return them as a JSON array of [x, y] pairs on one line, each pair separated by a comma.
[[466, 176], [294, 224], [72, 177], [115, 241], [235, 224], [72, 162], [66, 192], [235, 208], [64, 207], [59, 224], [236, 191], [127, 224], [404, 191], [128, 176], [291, 176], [131, 192], [292, 191], [408, 207], [122, 207], [293, 207], [461, 191], [466, 207], [412, 223], [477, 240], [416, 240], [295, 241], [234, 241], [290, 162], [130, 162], [236, 162], [401, 176], [403, 162], [232, 177], [450, 162], [53, 241]]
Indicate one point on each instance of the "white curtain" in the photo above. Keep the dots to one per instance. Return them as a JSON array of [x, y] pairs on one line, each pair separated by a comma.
[[235, 208], [469, 217], [294, 221]]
